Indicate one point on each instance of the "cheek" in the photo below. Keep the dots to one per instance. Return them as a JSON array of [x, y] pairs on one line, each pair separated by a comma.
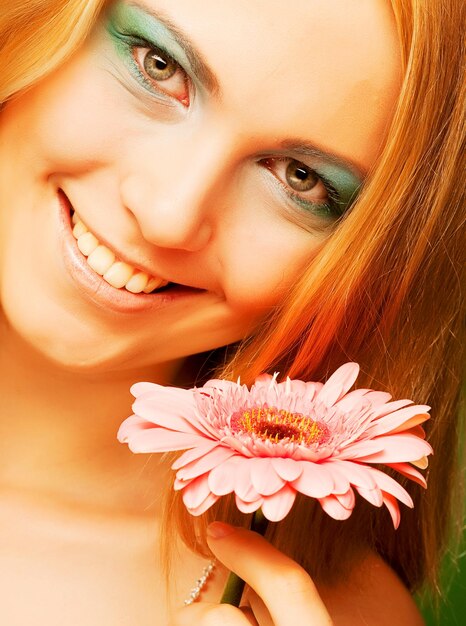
[[70, 119], [261, 286], [264, 262]]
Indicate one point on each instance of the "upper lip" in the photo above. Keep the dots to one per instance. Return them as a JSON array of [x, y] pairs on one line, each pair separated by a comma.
[[123, 257]]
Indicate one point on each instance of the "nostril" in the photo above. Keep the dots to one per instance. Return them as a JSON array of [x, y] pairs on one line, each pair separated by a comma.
[[118, 273], [176, 235]]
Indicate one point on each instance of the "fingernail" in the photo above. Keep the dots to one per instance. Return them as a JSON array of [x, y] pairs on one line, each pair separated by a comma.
[[217, 530]]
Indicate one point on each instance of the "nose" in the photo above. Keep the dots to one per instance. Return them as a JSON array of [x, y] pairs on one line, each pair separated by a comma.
[[174, 187]]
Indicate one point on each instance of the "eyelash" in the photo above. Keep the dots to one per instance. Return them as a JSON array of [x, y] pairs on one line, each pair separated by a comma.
[[135, 44], [332, 209]]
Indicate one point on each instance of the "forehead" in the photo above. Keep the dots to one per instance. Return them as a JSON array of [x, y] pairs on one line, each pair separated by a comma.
[[324, 71]]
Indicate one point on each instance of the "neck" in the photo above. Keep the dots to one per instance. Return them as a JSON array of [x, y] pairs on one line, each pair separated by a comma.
[[58, 434]]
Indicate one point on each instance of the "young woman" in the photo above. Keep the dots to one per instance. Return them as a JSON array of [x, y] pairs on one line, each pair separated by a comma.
[[177, 177]]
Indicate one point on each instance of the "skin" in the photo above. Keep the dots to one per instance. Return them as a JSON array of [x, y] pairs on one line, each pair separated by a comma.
[[196, 194], [100, 137]]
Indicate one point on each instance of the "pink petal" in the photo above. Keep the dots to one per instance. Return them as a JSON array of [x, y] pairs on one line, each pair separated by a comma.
[[238, 445], [347, 499], [221, 385], [407, 470], [263, 448], [422, 463], [196, 492], [206, 504], [248, 507], [263, 378], [359, 449], [262, 384], [180, 484], [374, 496], [306, 454], [216, 457], [315, 481], [399, 449], [277, 506], [243, 484], [156, 409], [161, 440], [294, 387], [222, 478], [287, 469], [167, 420], [397, 420], [355, 473], [338, 384], [390, 407], [393, 508], [194, 453], [351, 400], [377, 398], [298, 387], [205, 423], [418, 431], [139, 388], [264, 478], [180, 401], [389, 485], [312, 389], [130, 426], [333, 508], [340, 480], [412, 424]]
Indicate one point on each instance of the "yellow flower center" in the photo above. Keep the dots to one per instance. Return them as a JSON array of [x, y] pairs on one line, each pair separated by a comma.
[[272, 424]]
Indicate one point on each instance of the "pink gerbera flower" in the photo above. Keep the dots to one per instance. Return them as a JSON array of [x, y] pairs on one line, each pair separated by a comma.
[[267, 443]]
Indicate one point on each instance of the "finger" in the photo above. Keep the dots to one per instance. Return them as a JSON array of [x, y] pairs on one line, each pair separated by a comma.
[[207, 614], [258, 608], [286, 589], [251, 616]]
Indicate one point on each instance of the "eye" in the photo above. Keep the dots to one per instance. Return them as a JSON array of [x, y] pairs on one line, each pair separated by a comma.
[[158, 67], [299, 179], [162, 72]]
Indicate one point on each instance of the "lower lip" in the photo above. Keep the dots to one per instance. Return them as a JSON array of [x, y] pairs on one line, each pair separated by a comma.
[[97, 290]]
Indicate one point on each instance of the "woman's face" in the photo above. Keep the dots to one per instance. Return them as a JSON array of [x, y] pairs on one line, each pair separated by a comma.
[[208, 144]]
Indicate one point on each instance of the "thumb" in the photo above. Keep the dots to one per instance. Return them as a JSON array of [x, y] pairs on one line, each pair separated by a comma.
[[283, 585]]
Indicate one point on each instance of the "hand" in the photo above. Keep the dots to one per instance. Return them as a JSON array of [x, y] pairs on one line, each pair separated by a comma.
[[283, 594]]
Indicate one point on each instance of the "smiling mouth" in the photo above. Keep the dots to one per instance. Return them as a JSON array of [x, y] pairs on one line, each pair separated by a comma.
[[106, 263]]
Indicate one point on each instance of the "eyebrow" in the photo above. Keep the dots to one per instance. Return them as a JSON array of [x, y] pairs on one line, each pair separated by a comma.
[[199, 66], [306, 149], [207, 77]]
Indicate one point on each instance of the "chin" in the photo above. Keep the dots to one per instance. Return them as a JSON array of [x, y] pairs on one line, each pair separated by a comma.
[[72, 340], [59, 343]]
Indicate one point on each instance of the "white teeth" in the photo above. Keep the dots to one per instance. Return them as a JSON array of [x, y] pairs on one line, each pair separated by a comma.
[[118, 274], [79, 229], [87, 243], [101, 259], [103, 262], [155, 283], [137, 282]]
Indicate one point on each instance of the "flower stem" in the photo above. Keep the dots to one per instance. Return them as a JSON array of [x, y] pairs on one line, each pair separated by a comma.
[[235, 585]]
